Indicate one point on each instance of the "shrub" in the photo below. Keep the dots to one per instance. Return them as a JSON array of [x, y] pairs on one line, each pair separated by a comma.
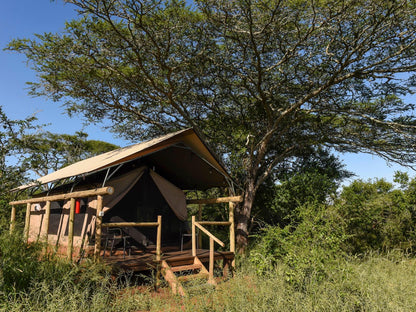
[[377, 217], [307, 249]]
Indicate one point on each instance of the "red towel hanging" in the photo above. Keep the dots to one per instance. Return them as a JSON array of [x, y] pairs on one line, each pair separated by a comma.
[[77, 206]]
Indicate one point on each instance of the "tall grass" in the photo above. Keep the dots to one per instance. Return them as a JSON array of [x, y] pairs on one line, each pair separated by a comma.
[[33, 281], [374, 284]]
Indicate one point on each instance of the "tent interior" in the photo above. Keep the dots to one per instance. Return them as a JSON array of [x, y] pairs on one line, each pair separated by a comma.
[[144, 202]]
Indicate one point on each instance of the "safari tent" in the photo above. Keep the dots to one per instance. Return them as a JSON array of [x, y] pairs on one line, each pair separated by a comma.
[[139, 189], [140, 194]]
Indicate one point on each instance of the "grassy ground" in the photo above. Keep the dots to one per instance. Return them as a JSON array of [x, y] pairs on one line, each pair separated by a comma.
[[376, 283]]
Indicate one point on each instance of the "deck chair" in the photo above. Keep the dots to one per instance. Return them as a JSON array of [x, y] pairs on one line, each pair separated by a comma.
[[113, 238]]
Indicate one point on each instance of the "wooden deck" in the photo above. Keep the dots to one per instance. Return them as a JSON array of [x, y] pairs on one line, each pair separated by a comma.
[[146, 260]]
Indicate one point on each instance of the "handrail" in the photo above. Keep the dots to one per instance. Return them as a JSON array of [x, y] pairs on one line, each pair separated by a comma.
[[204, 201], [210, 235], [226, 223], [78, 194], [231, 200], [130, 224], [72, 196], [212, 239]]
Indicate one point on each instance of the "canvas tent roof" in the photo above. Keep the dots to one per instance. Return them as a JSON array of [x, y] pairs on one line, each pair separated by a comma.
[[182, 156]]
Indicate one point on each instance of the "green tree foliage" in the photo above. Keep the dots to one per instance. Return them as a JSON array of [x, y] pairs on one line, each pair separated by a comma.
[[377, 216], [11, 136], [311, 179], [366, 217], [46, 151], [262, 80], [11, 173]]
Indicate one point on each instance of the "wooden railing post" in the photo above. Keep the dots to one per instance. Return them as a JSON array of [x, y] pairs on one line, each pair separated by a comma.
[[47, 218], [27, 223], [158, 250], [98, 222], [232, 230], [159, 238], [71, 229], [12, 219], [211, 260], [193, 237]]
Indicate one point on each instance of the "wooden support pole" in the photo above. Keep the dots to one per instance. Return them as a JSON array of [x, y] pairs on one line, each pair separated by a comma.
[[159, 238], [47, 218], [232, 230], [13, 219], [211, 260], [71, 229], [193, 237], [158, 250], [98, 222], [27, 223]]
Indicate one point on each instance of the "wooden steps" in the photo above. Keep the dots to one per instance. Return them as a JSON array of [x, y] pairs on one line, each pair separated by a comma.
[[194, 271], [186, 267]]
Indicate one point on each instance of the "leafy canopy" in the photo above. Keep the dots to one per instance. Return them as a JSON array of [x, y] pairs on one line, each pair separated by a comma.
[[44, 151], [277, 75]]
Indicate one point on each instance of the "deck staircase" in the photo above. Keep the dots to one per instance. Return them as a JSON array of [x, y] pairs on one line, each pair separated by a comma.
[[177, 276], [179, 273]]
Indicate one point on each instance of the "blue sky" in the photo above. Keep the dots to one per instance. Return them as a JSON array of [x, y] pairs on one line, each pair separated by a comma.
[[23, 18]]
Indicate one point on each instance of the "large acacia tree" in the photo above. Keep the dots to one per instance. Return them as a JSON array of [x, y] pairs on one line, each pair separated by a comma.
[[261, 80]]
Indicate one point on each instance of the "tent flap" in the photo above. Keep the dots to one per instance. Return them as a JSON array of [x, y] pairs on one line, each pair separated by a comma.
[[122, 185], [173, 195]]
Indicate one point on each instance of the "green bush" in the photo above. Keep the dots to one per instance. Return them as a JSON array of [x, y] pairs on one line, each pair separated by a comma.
[[32, 279], [19, 263], [377, 216], [307, 249]]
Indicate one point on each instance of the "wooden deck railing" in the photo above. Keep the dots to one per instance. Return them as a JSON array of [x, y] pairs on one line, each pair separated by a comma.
[[212, 239], [100, 192], [157, 224], [231, 200]]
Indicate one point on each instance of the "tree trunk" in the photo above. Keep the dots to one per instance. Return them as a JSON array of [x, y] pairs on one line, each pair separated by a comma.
[[242, 217]]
